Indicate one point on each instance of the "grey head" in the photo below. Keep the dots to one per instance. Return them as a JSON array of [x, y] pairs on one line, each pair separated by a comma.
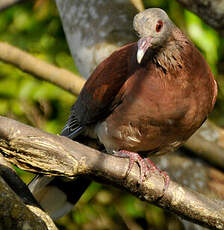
[[154, 28]]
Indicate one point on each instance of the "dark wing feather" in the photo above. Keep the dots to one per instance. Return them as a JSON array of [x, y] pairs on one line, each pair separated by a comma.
[[72, 128], [100, 95], [102, 91]]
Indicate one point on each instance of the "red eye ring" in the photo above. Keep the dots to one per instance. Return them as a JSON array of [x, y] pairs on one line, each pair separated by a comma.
[[159, 26]]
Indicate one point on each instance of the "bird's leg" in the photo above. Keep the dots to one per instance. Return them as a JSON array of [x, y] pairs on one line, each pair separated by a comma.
[[146, 166]]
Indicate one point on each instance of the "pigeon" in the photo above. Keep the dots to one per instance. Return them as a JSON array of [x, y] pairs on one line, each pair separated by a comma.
[[146, 98]]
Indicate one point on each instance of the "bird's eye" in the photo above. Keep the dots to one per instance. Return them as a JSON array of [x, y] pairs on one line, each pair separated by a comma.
[[159, 26]]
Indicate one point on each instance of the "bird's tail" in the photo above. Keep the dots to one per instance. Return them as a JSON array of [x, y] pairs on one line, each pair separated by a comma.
[[56, 195]]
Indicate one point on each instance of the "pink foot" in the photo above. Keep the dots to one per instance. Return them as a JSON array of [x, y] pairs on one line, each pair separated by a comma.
[[134, 157], [146, 166]]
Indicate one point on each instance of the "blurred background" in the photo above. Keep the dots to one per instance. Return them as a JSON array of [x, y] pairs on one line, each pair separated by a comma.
[[35, 26]]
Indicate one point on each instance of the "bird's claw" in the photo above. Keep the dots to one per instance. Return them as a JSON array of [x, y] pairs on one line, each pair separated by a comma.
[[146, 167], [134, 157]]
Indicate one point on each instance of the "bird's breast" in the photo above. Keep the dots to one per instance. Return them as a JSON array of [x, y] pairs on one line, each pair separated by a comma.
[[160, 108]]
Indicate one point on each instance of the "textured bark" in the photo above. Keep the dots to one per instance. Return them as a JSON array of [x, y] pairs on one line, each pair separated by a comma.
[[15, 215], [38, 151], [11, 217], [94, 29], [17, 185]]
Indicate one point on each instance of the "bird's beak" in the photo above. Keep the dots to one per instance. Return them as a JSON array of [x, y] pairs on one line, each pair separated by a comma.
[[143, 44]]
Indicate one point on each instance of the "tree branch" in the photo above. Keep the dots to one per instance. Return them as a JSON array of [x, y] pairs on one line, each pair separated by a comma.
[[38, 151], [32, 216], [16, 184], [40, 69], [14, 214], [92, 39]]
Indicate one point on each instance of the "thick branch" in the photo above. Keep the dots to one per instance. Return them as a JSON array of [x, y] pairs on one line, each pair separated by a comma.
[[37, 151], [14, 214], [40, 69], [15, 183], [106, 26], [33, 217]]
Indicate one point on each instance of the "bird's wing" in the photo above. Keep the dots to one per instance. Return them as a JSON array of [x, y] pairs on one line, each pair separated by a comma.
[[100, 94], [72, 128], [102, 91]]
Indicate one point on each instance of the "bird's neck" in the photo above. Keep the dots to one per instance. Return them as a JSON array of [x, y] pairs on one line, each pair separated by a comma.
[[169, 56]]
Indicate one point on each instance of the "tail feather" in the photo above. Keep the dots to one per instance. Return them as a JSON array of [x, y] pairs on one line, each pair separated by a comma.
[[55, 195]]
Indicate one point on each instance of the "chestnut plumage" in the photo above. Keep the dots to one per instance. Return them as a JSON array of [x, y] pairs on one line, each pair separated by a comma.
[[147, 97]]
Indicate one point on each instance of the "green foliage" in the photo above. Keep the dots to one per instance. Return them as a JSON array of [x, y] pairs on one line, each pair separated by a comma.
[[204, 37], [35, 27]]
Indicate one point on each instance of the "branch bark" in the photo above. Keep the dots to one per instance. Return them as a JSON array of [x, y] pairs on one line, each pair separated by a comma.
[[11, 217], [106, 26], [15, 183], [38, 151], [14, 214]]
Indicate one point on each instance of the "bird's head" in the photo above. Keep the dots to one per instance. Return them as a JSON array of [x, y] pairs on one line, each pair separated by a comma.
[[154, 28]]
